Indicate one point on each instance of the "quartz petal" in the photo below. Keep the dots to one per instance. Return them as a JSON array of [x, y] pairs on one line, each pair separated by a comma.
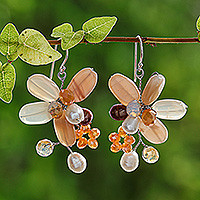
[[83, 83], [43, 88], [35, 113], [171, 109], [156, 133], [153, 89], [123, 88], [131, 124], [65, 131]]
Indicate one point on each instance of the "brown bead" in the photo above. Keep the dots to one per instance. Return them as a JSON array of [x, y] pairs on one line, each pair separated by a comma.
[[92, 143], [127, 148], [115, 147], [129, 139], [148, 117], [88, 117], [118, 112], [82, 143], [114, 137], [66, 96], [121, 132], [94, 133]]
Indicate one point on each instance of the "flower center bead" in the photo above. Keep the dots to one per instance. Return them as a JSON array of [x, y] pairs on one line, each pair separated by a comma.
[[133, 109], [66, 96], [148, 117], [55, 109]]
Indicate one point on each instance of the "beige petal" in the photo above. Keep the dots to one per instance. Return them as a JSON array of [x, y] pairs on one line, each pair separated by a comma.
[[123, 88], [42, 87], [83, 83], [156, 133], [153, 89], [65, 131]]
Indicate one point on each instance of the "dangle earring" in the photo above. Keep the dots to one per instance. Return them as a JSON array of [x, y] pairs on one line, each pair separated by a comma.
[[71, 122], [139, 113]]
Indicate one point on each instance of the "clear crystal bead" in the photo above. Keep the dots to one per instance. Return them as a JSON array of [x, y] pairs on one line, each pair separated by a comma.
[[44, 148], [150, 154]]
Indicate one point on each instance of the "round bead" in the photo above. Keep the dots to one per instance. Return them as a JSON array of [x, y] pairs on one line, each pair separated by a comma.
[[55, 109], [133, 109], [127, 148], [92, 143], [114, 137], [129, 139], [79, 133], [74, 114], [88, 117], [44, 148], [118, 112], [66, 96], [115, 147], [129, 161], [94, 133], [76, 162], [82, 143], [121, 132], [85, 129], [150, 154], [148, 117], [131, 124]]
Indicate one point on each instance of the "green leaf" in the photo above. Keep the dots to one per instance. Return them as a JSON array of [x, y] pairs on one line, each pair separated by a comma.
[[62, 30], [199, 36], [96, 29], [71, 39], [7, 82], [35, 49], [9, 41], [198, 23]]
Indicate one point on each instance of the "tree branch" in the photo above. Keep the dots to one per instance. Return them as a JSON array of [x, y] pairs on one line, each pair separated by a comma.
[[147, 40]]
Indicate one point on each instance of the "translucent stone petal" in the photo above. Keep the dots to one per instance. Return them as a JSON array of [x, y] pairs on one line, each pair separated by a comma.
[[76, 162], [44, 148], [170, 109], [83, 83], [153, 89], [43, 88], [35, 113], [65, 131], [150, 154], [123, 88], [131, 124], [129, 161], [156, 133]]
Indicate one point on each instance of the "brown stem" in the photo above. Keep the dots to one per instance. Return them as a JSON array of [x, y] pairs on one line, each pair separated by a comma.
[[147, 40]]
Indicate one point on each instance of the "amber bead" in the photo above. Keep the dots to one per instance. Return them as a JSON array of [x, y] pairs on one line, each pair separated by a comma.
[[129, 139], [66, 96], [82, 143], [85, 129], [55, 109], [79, 133], [115, 147], [114, 137], [94, 133], [121, 132], [92, 143], [148, 117], [127, 148]]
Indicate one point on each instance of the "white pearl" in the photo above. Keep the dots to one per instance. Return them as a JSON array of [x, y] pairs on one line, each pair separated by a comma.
[[74, 114], [76, 162], [131, 124], [129, 161]]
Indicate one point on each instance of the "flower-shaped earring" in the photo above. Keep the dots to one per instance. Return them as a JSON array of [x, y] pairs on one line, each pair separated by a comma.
[[140, 116], [60, 106]]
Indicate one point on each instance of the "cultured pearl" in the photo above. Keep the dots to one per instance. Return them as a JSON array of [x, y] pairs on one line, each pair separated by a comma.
[[55, 109], [150, 155], [74, 114], [76, 162], [129, 161], [131, 124], [133, 109], [44, 148]]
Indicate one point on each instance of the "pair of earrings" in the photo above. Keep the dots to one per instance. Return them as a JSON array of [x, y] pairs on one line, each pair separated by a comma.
[[72, 123]]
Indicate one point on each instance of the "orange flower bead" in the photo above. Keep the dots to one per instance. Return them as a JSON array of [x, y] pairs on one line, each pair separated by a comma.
[[115, 147], [127, 148], [92, 143], [121, 132], [79, 133], [85, 129], [129, 139], [114, 137], [94, 133], [82, 143]]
